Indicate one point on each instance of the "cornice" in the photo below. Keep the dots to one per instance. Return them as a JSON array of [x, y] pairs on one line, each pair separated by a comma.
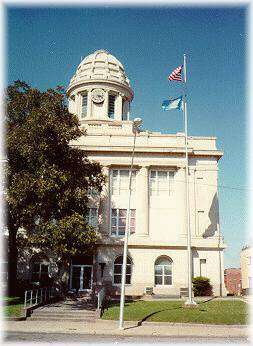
[[101, 82], [149, 149]]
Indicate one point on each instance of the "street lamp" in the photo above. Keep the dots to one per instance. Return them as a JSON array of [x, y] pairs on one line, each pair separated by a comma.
[[136, 129]]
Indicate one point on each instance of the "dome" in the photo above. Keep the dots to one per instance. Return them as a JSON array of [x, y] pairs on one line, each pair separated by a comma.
[[100, 66]]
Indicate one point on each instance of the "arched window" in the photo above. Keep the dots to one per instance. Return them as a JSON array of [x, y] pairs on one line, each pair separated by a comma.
[[39, 268], [118, 270], [163, 271]]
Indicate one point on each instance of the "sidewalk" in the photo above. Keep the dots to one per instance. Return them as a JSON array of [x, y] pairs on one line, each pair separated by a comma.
[[105, 327]]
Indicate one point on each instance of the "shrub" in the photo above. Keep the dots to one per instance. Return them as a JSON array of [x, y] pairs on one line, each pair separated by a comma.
[[202, 286]]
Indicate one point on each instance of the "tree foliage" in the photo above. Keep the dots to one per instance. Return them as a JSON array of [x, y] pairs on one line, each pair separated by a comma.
[[47, 178]]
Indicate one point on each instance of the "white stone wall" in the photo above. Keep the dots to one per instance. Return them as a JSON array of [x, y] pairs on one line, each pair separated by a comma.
[[246, 261], [143, 268]]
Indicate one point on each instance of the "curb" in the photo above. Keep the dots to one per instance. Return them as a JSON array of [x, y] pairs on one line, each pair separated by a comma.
[[23, 318], [179, 324], [195, 324]]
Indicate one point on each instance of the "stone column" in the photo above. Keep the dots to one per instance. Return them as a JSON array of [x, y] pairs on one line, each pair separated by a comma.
[[104, 208], [142, 202], [79, 104], [128, 110]]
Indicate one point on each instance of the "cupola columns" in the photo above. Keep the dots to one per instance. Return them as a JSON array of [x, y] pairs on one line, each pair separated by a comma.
[[100, 89]]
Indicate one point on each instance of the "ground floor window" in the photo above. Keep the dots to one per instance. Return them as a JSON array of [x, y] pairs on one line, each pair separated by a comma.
[[4, 272], [118, 265], [163, 271], [39, 269]]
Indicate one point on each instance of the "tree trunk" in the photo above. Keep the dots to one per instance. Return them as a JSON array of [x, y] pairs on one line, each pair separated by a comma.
[[63, 274], [12, 261]]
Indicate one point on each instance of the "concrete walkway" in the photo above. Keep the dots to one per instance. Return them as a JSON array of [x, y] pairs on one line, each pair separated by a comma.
[[104, 327]]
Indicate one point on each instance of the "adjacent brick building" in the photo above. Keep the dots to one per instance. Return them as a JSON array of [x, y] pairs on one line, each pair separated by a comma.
[[233, 280]]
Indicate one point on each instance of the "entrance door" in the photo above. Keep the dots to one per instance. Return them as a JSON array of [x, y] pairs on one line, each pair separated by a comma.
[[81, 277], [87, 276]]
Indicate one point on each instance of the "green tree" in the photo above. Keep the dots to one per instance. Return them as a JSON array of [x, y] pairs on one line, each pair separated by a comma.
[[47, 178]]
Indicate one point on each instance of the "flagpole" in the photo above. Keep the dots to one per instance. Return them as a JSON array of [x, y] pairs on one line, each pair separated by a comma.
[[190, 301]]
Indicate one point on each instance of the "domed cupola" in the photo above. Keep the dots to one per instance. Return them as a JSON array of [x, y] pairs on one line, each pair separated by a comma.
[[100, 89]]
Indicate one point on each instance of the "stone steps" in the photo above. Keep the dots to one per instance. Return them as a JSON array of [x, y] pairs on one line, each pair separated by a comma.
[[66, 314], [63, 318], [68, 310]]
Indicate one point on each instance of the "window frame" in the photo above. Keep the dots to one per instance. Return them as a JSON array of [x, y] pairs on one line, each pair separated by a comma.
[[118, 217], [120, 274], [39, 273], [163, 275], [89, 217], [119, 182], [157, 190]]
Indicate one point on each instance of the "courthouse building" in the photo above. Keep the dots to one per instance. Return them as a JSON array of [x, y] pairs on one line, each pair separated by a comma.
[[100, 95]]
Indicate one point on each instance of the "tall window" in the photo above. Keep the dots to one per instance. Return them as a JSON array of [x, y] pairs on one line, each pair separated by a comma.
[[161, 182], [163, 271], [118, 221], [92, 217], [84, 105], [40, 269], [120, 181], [111, 106], [118, 270]]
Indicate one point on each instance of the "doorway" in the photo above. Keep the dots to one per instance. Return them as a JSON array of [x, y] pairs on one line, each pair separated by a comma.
[[81, 277]]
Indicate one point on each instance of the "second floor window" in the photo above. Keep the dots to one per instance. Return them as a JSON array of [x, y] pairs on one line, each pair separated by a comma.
[[111, 106], [118, 221], [84, 105], [161, 183], [92, 217], [120, 181]]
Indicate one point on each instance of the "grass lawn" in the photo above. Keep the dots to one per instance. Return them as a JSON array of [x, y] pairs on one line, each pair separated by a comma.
[[13, 306], [210, 312]]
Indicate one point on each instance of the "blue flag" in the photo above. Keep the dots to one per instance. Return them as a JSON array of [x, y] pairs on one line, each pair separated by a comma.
[[177, 103]]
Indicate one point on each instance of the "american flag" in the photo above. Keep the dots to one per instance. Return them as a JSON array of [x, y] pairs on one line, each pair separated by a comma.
[[176, 74]]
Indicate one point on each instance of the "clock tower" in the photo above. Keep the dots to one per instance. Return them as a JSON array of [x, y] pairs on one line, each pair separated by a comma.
[[100, 90]]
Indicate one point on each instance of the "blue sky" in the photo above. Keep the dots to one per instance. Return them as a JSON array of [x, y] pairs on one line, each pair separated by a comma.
[[45, 45]]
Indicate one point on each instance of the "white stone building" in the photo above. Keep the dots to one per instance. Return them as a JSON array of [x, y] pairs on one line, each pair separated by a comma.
[[100, 94], [246, 261]]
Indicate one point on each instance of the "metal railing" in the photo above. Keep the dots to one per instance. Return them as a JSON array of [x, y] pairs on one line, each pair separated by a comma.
[[39, 296], [101, 297]]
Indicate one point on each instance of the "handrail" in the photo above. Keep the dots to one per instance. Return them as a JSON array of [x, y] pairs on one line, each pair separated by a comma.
[[39, 296], [101, 298]]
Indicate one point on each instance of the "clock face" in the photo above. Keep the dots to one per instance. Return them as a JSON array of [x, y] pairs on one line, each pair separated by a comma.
[[98, 95]]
